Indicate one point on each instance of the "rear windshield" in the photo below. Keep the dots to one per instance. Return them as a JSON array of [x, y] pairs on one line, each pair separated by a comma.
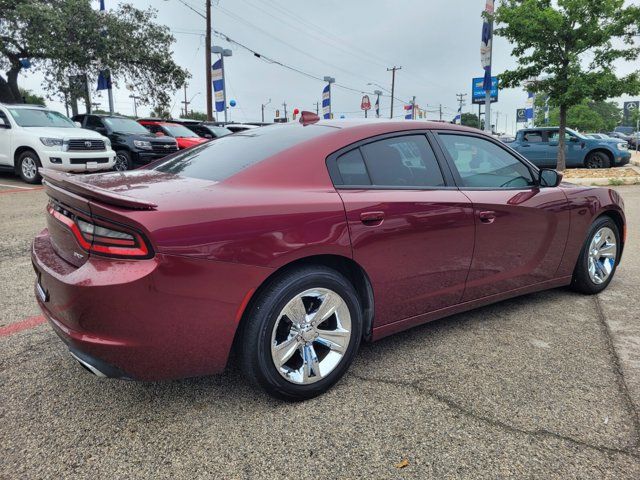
[[231, 154]]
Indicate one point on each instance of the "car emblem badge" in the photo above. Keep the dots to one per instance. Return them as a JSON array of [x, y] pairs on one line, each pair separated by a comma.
[[167, 146], [87, 144]]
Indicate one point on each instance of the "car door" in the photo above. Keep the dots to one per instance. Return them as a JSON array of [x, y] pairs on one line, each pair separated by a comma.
[[534, 147], [411, 229], [521, 228], [574, 149], [5, 141]]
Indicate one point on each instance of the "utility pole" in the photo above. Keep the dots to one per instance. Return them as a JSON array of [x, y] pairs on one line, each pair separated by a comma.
[[497, 117], [461, 102], [318, 108], [413, 108], [185, 103], [262, 107], [207, 52], [284, 105], [135, 104], [393, 84]]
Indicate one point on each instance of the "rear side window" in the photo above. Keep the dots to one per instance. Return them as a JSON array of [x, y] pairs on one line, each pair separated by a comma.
[[231, 154], [533, 137], [94, 122], [352, 169], [405, 161]]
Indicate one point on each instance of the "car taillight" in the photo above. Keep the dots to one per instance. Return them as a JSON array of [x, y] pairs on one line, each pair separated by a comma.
[[101, 237]]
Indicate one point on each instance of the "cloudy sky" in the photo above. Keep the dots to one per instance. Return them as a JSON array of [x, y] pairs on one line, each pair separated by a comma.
[[436, 42]]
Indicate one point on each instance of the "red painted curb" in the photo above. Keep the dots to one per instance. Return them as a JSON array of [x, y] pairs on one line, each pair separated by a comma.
[[19, 190], [25, 324]]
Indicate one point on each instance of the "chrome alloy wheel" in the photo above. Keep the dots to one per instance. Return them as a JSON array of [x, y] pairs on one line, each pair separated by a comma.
[[29, 168], [602, 255], [121, 164], [311, 336]]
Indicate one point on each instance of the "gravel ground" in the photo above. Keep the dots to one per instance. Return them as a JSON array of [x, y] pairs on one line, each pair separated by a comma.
[[545, 385]]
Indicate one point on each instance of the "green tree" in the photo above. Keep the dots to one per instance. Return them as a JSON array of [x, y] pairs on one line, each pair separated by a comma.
[[587, 116], [194, 116], [470, 120], [64, 37], [27, 96], [567, 49]]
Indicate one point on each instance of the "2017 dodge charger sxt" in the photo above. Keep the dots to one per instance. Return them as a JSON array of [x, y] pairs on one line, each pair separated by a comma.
[[293, 243]]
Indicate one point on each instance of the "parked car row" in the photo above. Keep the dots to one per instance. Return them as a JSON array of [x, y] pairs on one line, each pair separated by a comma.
[[33, 136], [540, 146]]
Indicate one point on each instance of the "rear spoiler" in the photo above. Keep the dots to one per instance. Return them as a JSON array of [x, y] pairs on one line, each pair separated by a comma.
[[71, 183]]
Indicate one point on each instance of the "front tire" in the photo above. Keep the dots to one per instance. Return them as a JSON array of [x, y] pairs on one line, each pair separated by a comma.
[[597, 160], [301, 333], [123, 161], [598, 258], [28, 165]]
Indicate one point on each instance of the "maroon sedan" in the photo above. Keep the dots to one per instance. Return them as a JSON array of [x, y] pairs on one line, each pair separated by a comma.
[[293, 243]]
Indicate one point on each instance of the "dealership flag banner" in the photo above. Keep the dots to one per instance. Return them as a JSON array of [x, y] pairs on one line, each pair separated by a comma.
[[326, 102], [409, 114], [528, 111], [485, 47], [218, 85], [378, 107]]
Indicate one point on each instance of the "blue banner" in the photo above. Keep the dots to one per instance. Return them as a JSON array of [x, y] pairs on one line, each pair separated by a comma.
[[528, 112], [104, 80], [326, 102], [218, 85]]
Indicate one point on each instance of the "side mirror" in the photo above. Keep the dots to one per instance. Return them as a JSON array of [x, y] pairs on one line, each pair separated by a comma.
[[549, 177]]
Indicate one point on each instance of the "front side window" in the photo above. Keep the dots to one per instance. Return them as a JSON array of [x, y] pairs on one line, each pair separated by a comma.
[[405, 161], [483, 164], [32, 117]]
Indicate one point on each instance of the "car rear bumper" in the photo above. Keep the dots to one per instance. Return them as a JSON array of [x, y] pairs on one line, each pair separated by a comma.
[[163, 318]]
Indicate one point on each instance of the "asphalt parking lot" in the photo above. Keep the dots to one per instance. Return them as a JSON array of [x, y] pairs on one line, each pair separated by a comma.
[[546, 385]]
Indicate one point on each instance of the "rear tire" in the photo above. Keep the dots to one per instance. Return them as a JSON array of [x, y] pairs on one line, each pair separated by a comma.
[[123, 161], [598, 258], [290, 358], [28, 165], [597, 160]]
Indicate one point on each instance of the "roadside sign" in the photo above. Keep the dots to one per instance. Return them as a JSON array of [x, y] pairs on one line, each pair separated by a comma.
[[521, 115], [478, 94], [629, 109], [277, 113], [366, 103]]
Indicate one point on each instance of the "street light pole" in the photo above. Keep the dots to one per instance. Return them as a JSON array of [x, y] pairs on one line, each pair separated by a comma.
[[207, 52]]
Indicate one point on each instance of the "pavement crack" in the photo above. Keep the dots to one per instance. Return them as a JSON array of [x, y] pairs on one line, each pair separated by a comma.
[[452, 404], [619, 373]]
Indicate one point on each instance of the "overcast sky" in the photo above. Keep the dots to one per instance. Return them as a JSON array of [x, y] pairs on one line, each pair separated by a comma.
[[436, 42]]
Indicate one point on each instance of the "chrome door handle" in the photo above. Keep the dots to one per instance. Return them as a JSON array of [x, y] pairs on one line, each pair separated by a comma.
[[487, 216]]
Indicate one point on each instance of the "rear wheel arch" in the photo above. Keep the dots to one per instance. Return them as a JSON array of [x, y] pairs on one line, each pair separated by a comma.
[[343, 265]]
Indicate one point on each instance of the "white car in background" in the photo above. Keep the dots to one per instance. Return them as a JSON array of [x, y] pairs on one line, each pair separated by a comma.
[[32, 136]]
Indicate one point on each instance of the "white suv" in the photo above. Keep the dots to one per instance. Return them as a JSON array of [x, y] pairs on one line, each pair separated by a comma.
[[33, 137]]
